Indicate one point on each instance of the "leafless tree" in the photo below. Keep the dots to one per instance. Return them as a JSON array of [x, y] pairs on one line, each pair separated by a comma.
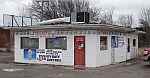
[[145, 14], [49, 9], [144, 39], [145, 19], [125, 20], [95, 15], [106, 15]]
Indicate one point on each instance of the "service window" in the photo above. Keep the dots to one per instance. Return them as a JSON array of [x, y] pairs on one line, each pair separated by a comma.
[[56, 43], [134, 42], [27, 42], [103, 43]]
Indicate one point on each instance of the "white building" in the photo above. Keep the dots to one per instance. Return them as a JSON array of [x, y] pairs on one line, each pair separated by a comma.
[[89, 45]]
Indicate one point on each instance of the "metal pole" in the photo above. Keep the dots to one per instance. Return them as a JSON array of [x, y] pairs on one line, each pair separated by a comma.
[[12, 20], [10, 40], [3, 20], [22, 21], [31, 21]]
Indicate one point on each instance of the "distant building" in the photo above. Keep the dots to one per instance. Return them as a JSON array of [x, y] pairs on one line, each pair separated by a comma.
[[5, 42]]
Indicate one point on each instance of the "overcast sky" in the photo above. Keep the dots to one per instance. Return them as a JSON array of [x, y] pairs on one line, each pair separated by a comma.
[[121, 6], [125, 4]]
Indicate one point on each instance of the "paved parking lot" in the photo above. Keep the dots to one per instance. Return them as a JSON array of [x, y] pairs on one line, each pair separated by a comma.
[[123, 70]]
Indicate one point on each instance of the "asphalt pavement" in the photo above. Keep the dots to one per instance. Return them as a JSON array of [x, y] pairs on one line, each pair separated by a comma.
[[131, 69]]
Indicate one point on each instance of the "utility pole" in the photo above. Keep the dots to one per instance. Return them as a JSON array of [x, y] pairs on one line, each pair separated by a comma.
[[12, 20]]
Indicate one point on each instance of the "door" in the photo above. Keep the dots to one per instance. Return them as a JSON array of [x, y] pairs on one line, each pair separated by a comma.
[[134, 48], [128, 47], [114, 44], [79, 51]]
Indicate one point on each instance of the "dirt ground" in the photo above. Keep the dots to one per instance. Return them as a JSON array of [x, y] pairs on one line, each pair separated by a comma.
[[131, 69]]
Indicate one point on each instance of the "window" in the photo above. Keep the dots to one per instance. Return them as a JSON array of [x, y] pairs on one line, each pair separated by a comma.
[[27, 42], [103, 43], [134, 42], [56, 43]]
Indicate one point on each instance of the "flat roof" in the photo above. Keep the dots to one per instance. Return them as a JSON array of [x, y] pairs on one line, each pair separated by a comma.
[[104, 27]]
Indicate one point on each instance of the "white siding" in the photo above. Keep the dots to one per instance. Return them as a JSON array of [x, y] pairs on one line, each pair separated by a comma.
[[90, 50], [103, 57], [94, 57], [68, 55], [120, 53]]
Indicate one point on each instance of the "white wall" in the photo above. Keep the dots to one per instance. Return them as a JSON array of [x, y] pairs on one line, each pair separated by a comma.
[[103, 57], [90, 50], [121, 52], [134, 50], [67, 55], [94, 57]]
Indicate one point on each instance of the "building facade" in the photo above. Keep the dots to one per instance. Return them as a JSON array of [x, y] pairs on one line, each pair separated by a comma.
[[5, 40], [73, 45]]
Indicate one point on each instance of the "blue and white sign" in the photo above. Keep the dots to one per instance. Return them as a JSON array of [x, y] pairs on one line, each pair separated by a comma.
[[30, 54], [114, 41]]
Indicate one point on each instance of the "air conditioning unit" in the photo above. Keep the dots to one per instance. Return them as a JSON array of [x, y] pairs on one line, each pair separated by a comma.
[[83, 17], [80, 17]]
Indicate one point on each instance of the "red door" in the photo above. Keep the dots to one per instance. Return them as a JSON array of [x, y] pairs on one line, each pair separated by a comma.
[[79, 51]]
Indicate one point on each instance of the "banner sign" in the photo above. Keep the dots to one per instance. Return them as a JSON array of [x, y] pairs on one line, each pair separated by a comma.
[[49, 55]]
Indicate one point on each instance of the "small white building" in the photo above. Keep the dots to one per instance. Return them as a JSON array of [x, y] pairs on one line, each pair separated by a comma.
[[89, 45]]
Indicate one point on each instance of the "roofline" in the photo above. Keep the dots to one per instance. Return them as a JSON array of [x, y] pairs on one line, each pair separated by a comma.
[[77, 26]]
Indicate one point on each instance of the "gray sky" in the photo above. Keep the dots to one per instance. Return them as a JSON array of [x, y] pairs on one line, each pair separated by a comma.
[[125, 4], [121, 6], [12, 6]]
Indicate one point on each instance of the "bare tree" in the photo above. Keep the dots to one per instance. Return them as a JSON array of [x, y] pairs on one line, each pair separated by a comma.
[[95, 15], [102, 15], [145, 14], [145, 19], [144, 39], [125, 20], [49, 9], [106, 15]]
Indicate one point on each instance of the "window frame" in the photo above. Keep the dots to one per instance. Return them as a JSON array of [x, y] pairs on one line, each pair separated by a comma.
[[106, 42], [27, 46], [134, 43], [62, 48]]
